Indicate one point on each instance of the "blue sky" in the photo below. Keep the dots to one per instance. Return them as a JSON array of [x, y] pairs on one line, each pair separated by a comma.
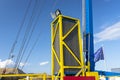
[[106, 24]]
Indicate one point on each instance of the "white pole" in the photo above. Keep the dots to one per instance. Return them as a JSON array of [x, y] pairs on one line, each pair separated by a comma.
[[27, 78], [105, 64], [83, 16]]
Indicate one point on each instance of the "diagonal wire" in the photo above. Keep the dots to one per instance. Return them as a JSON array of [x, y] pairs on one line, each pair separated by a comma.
[[55, 3], [30, 52], [37, 37], [33, 28], [25, 36], [18, 34]]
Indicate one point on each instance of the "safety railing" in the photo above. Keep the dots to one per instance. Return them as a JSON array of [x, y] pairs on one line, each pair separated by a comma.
[[27, 76]]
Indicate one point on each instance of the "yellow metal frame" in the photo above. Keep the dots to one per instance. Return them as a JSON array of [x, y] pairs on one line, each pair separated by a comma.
[[94, 74], [58, 22], [20, 75], [31, 76]]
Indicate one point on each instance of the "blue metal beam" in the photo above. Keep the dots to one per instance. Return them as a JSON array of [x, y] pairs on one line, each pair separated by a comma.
[[89, 34], [105, 73]]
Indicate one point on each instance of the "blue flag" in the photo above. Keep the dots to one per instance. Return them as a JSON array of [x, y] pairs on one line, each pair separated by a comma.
[[99, 55]]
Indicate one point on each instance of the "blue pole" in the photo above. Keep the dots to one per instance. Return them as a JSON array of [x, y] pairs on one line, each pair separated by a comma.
[[89, 34], [107, 78]]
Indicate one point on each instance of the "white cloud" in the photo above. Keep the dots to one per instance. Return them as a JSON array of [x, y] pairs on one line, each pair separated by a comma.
[[5, 63], [110, 33], [9, 63], [22, 64], [44, 63]]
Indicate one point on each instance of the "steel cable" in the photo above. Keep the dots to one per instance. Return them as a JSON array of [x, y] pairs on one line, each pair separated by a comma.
[[25, 36]]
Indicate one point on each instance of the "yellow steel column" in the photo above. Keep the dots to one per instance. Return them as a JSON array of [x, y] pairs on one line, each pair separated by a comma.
[[61, 47], [53, 77], [31, 78], [81, 50], [52, 56], [44, 76]]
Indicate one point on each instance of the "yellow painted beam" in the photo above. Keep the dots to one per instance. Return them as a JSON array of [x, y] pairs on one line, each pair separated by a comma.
[[18, 75], [61, 47], [72, 67], [54, 52], [70, 31], [71, 52], [56, 28]]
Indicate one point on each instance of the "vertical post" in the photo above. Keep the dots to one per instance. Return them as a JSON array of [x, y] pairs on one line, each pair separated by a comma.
[[81, 51], [107, 78], [61, 48], [88, 33], [27, 78], [52, 56], [52, 77], [44, 76]]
